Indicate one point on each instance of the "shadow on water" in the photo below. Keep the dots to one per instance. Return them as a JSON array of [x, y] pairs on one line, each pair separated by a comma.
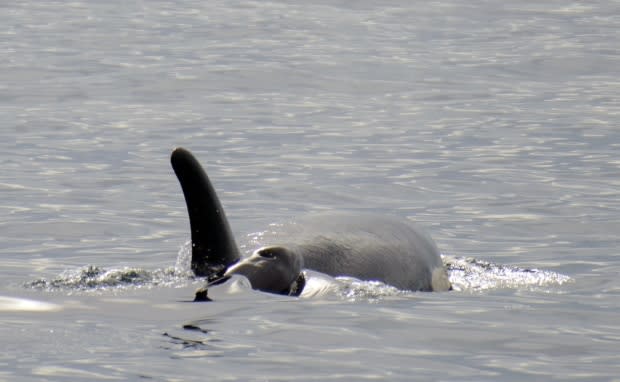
[[194, 335]]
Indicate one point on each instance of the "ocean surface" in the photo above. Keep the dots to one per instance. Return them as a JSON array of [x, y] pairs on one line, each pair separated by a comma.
[[495, 126]]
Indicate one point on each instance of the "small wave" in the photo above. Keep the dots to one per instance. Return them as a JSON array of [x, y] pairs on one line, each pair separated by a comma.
[[91, 277], [469, 274], [96, 278], [353, 289]]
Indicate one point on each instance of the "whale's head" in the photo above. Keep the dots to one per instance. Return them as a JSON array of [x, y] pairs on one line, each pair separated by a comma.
[[272, 269]]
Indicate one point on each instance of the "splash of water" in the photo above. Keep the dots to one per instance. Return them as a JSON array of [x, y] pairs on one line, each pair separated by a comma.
[[94, 278], [469, 274]]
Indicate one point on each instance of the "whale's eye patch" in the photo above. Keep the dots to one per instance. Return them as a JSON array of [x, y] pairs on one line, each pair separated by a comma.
[[267, 254]]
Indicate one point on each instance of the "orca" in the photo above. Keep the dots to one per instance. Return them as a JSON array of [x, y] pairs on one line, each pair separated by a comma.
[[368, 247]]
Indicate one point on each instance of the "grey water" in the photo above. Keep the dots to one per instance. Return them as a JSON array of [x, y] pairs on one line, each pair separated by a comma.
[[495, 126]]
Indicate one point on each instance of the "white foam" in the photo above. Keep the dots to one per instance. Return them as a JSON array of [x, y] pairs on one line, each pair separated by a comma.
[[15, 304]]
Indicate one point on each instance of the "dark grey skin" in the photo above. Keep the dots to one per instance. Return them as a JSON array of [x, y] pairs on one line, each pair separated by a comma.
[[272, 269], [367, 247]]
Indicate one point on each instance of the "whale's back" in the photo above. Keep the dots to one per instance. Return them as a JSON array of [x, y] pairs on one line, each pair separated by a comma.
[[368, 247]]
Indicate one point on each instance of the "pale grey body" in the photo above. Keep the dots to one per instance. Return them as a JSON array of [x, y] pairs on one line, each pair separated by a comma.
[[367, 247]]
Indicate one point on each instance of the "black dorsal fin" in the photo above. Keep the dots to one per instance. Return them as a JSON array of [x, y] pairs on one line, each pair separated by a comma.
[[213, 245]]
